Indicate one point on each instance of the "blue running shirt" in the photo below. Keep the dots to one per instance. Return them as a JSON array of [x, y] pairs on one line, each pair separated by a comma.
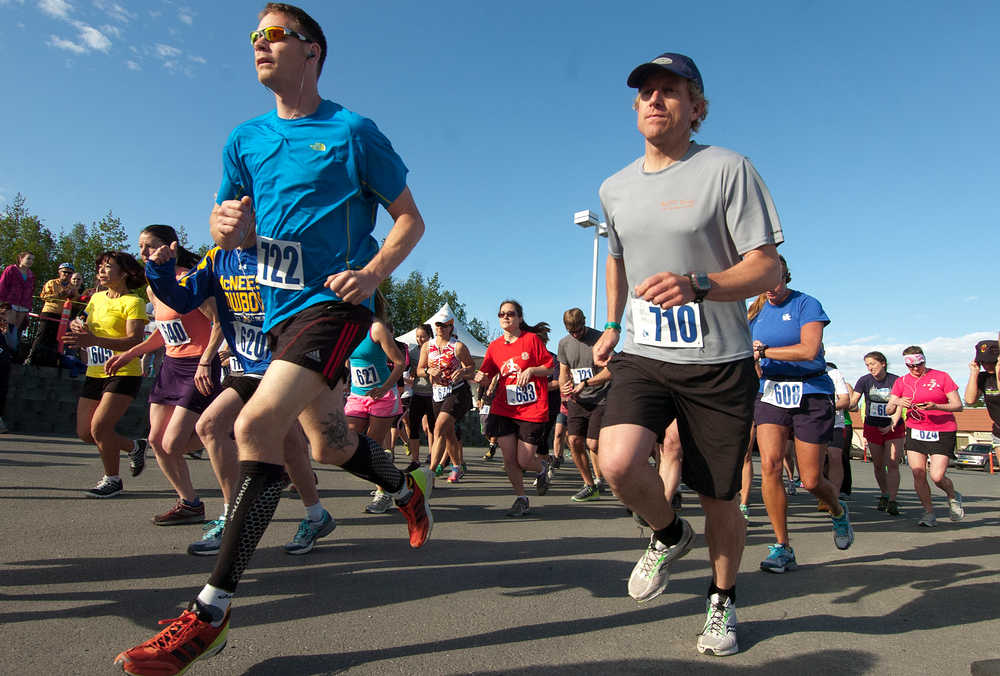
[[781, 325], [316, 184], [229, 277]]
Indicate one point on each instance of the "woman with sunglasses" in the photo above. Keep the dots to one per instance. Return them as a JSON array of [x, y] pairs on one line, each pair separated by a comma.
[[111, 324], [519, 411], [931, 397], [795, 399], [186, 382], [884, 437], [446, 361]]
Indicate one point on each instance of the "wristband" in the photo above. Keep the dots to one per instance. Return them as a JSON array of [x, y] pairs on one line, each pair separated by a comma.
[[206, 365], [613, 325]]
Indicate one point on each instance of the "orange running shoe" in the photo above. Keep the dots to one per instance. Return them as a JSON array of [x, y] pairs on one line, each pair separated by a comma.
[[417, 510], [187, 639]]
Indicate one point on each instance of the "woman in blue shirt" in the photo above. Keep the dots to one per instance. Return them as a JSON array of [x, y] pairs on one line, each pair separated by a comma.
[[795, 397]]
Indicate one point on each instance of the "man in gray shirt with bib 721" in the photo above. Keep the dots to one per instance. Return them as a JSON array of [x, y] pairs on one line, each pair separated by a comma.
[[692, 233]]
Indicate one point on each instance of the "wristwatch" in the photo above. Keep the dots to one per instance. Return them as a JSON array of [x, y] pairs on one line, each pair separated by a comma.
[[701, 285]]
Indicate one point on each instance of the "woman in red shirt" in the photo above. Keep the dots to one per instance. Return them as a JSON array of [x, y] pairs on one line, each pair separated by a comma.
[[519, 412]]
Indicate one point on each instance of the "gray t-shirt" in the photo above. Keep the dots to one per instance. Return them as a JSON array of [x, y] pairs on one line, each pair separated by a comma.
[[578, 355], [700, 214], [421, 386]]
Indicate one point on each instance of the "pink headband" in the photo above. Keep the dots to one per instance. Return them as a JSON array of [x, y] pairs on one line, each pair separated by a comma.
[[913, 359]]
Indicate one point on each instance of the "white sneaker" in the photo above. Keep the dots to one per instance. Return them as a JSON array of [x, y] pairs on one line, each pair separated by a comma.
[[652, 571], [956, 512], [718, 637], [928, 520]]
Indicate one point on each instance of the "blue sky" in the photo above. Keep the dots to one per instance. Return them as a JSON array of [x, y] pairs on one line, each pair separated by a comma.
[[873, 125]]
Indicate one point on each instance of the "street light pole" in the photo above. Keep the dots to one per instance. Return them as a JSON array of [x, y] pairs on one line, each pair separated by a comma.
[[588, 219]]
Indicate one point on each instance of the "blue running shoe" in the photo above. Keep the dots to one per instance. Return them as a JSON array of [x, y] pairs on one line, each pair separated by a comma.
[[211, 541], [309, 532], [779, 559], [843, 533]]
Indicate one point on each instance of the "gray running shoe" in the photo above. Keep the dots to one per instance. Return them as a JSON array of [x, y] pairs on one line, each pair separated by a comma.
[[105, 488], [381, 504], [652, 572], [137, 456], [956, 512], [520, 507], [779, 559], [718, 637], [586, 494], [309, 532], [928, 520], [542, 482], [601, 484]]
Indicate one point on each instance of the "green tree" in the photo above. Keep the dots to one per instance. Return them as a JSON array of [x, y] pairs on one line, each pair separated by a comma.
[[185, 241], [416, 298], [22, 231], [81, 245]]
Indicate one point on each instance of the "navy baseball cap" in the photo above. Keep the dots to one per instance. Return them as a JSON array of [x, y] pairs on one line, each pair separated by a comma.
[[66, 266], [987, 351], [675, 63]]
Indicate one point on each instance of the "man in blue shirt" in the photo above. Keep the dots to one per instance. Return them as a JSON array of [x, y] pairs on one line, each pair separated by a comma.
[[311, 175]]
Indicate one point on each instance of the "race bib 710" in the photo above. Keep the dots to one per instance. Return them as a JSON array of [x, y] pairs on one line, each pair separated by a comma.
[[674, 327]]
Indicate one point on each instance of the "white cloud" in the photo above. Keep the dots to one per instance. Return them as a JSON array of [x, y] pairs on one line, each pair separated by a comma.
[[68, 45], [166, 51], [970, 299], [132, 65], [93, 38], [864, 339], [60, 9], [114, 10], [111, 30], [198, 59], [950, 354], [186, 15]]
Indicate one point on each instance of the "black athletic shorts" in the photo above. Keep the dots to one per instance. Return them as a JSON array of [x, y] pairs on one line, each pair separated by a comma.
[[811, 421], [456, 404], [321, 338], [528, 432], [586, 418], [713, 406], [421, 405], [94, 388], [243, 385], [929, 443]]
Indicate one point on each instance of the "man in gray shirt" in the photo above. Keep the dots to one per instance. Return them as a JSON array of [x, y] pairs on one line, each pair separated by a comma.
[[692, 233], [585, 387]]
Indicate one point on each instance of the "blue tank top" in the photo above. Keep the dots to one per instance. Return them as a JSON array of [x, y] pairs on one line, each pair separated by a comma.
[[369, 366]]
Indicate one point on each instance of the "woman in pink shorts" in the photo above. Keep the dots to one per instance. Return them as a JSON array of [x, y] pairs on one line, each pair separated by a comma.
[[373, 405], [932, 399], [885, 439]]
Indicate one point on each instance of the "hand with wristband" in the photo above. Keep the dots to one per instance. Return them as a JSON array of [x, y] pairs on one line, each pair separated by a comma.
[[604, 348]]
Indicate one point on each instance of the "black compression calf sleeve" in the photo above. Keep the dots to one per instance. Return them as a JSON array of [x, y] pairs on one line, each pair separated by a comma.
[[261, 484], [372, 463]]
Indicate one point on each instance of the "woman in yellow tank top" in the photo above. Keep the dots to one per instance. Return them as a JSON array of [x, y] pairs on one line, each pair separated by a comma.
[[186, 383]]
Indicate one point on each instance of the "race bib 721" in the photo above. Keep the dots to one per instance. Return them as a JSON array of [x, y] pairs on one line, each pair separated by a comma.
[[581, 374]]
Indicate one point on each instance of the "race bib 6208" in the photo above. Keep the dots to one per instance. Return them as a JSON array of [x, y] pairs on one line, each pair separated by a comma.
[[676, 327], [519, 395], [783, 394], [250, 341], [279, 263]]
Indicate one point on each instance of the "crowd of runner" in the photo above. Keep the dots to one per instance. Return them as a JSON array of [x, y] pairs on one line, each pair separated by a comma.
[[313, 371]]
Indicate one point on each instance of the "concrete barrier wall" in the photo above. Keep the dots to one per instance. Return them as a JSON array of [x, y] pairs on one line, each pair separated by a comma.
[[42, 400]]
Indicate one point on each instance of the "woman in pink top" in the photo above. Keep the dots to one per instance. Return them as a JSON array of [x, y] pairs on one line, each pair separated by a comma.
[[931, 397], [16, 286], [185, 384]]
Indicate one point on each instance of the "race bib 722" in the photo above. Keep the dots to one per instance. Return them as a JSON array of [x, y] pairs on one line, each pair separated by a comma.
[[279, 263]]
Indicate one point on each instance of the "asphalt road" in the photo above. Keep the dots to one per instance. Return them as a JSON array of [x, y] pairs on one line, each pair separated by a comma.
[[81, 580]]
